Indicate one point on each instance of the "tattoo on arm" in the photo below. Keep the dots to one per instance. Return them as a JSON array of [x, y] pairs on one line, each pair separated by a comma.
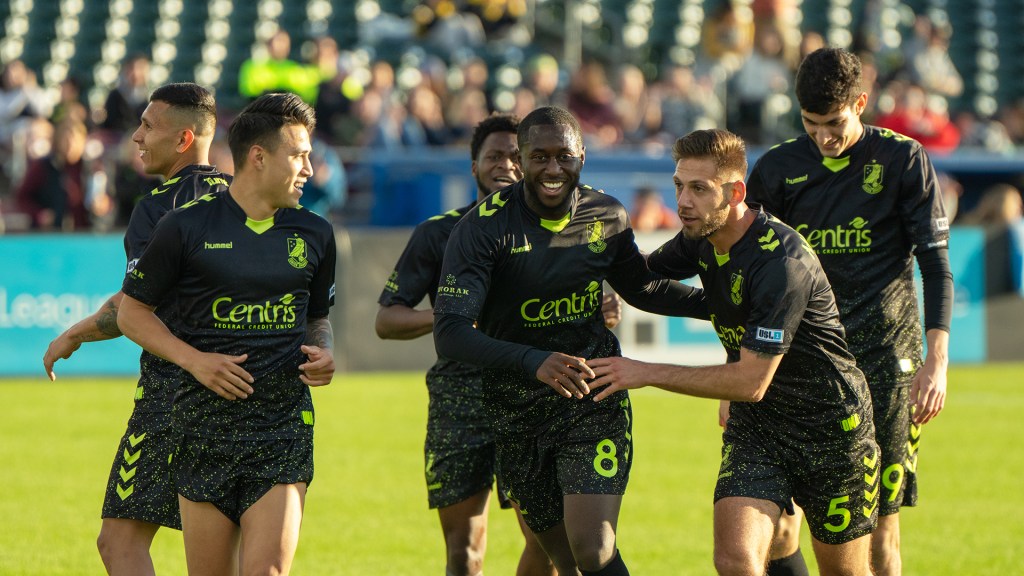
[[319, 333], [106, 320]]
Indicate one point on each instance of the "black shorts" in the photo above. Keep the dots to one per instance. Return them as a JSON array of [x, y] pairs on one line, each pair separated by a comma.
[[836, 481], [458, 454], [233, 474], [588, 452], [140, 486], [898, 437]]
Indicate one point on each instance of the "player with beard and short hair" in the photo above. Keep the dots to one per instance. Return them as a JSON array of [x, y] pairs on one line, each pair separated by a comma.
[[526, 267], [252, 273], [868, 200], [800, 424], [174, 138]]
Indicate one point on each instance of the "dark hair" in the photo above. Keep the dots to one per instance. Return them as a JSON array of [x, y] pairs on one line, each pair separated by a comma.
[[549, 116], [260, 123], [828, 79], [195, 102], [725, 148], [490, 125]]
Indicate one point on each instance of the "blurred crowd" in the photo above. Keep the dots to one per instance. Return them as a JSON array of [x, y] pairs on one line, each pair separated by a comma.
[[66, 165]]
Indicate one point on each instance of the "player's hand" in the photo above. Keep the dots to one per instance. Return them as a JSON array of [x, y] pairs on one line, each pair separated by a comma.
[[616, 373], [723, 412], [223, 374], [566, 374], [319, 369], [611, 308], [62, 347], [928, 391]]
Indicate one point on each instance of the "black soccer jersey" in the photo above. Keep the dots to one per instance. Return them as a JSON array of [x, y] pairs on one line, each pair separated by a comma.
[[535, 287], [417, 273], [158, 377], [770, 295], [865, 215], [241, 287]]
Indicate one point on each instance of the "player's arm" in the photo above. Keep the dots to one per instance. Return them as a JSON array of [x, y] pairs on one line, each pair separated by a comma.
[[457, 339], [928, 389], [319, 351], [652, 292], [611, 309], [400, 322], [219, 372], [746, 380], [100, 325]]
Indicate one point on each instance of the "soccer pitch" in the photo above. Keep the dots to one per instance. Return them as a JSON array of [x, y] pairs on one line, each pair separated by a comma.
[[366, 511]]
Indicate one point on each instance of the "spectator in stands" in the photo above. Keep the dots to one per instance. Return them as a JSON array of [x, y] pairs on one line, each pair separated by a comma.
[[125, 103], [467, 108], [424, 124], [650, 213], [70, 104], [543, 78], [927, 58], [274, 71], [21, 101], [334, 102], [923, 118], [764, 74], [687, 103], [637, 107], [952, 190], [445, 30], [53, 190], [1000, 205], [982, 133], [592, 102], [326, 192], [727, 37]]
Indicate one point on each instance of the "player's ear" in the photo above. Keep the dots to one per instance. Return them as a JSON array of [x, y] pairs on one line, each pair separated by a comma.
[[738, 192], [256, 155], [185, 140]]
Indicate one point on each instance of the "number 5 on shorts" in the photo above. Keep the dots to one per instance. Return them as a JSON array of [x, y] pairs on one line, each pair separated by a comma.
[[834, 509]]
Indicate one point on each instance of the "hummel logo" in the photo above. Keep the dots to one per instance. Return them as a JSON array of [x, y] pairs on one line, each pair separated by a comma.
[[218, 245], [796, 180]]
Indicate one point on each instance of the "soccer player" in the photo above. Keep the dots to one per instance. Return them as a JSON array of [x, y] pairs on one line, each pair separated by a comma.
[[174, 140], [252, 274], [459, 448], [869, 203], [526, 266], [799, 427]]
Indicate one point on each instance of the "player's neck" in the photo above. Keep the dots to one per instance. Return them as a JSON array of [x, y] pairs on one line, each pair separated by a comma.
[[248, 197], [736, 225], [184, 162]]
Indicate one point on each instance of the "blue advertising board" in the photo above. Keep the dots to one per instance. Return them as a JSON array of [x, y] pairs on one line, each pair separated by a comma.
[[49, 282]]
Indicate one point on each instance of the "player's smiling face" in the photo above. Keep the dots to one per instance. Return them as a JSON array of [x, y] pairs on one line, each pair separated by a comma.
[[158, 138], [552, 160], [497, 163], [287, 167], [702, 199], [834, 133]]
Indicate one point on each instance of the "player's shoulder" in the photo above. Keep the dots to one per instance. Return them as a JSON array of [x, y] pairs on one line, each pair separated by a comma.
[[442, 224], [775, 238], [495, 207], [890, 141], [308, 219]]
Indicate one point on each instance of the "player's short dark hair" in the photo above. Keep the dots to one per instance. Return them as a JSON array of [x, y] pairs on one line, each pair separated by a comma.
[[195, 102], [260, 123], [493, 123], [828, 79], [725, 148], [549, 116]]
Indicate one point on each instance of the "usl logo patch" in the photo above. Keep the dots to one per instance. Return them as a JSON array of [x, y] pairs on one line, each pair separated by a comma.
[[769, 335]]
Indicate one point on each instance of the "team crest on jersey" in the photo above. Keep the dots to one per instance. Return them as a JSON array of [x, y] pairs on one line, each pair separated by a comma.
[[736, 288], [595, 237], [297, 253], [872, 178]]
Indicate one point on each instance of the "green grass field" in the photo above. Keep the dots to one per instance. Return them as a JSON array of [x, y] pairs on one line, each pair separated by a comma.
[[366, 511]]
